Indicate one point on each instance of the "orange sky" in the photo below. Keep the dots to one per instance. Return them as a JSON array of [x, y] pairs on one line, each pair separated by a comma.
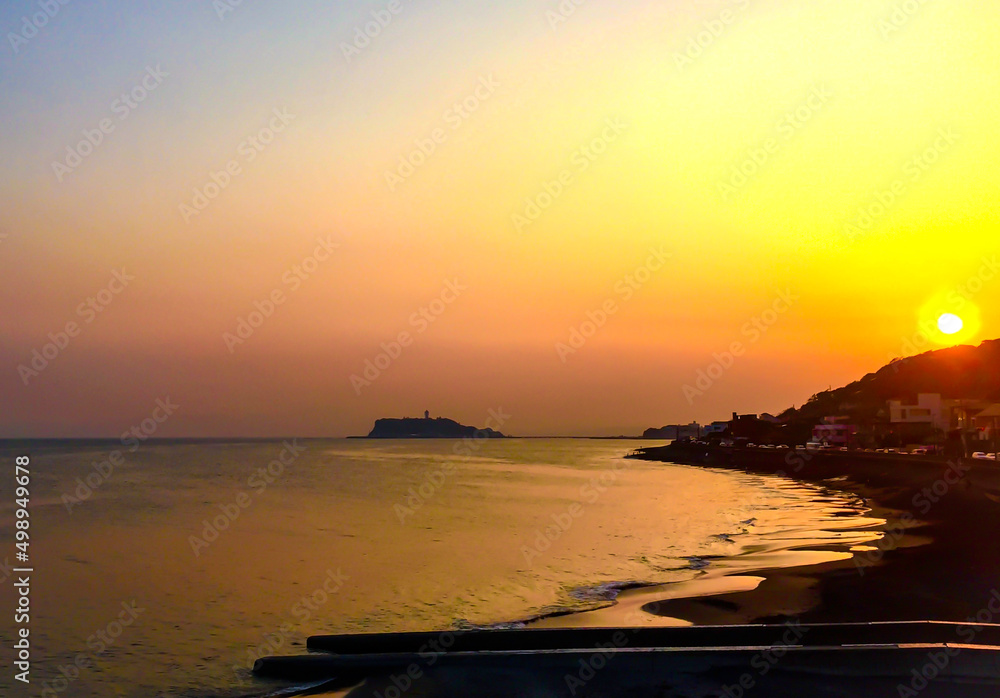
[[813, 183]]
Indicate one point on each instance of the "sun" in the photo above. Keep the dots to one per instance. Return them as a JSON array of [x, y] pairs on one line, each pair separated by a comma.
[[949, 323]]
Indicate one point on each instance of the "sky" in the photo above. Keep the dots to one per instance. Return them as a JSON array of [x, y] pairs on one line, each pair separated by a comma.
[[295, 218]]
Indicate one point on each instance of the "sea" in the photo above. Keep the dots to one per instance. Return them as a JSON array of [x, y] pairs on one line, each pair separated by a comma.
[[166, 568]]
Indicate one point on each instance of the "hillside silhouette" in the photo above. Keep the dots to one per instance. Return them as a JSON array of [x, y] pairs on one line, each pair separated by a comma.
[[955, 372]]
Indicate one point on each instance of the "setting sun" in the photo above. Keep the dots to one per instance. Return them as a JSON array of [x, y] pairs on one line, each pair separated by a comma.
[[949, 323]]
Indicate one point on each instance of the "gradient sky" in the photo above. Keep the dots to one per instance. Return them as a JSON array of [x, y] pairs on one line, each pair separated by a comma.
[[832, 107]]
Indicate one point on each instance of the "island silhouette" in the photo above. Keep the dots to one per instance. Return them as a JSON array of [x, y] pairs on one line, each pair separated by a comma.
[[427, 428]]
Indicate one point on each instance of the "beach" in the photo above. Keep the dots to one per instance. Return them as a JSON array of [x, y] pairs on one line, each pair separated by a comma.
[[938, 558], [934, 555]]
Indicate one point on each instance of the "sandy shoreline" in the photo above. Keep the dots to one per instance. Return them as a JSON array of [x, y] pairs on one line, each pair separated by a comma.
[[932, 563], [771, 585], [812, 583], [939, 558]]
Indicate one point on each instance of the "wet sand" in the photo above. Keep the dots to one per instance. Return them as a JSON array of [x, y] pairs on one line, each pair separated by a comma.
[[749, 587], [939, 558]]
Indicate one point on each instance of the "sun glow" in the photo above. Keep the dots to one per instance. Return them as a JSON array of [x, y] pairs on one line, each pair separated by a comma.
[[949, 323], [948, 318]]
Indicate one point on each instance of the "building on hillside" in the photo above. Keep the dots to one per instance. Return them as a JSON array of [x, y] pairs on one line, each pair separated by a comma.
[[748, 426], [927, 412], [834, 434], [691, 431], [674, 431], [933, 412], [964, 412], [715, 428], [931, 416], [987, 422]]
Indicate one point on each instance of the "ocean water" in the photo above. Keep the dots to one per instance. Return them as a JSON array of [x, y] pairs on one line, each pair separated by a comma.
[[171, 572]]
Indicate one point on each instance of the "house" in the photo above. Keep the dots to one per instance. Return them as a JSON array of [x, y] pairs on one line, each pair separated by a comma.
[[673, 431], [963, 412], [748, 426], [927, 413], [834, 434], [987, 421]]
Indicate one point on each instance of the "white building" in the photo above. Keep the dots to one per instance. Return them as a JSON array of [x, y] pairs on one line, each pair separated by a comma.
[[928, 409]]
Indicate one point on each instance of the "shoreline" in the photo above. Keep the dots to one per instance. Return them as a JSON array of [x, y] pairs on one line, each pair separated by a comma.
[[939, 557], [800, 592], [771, 584]]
